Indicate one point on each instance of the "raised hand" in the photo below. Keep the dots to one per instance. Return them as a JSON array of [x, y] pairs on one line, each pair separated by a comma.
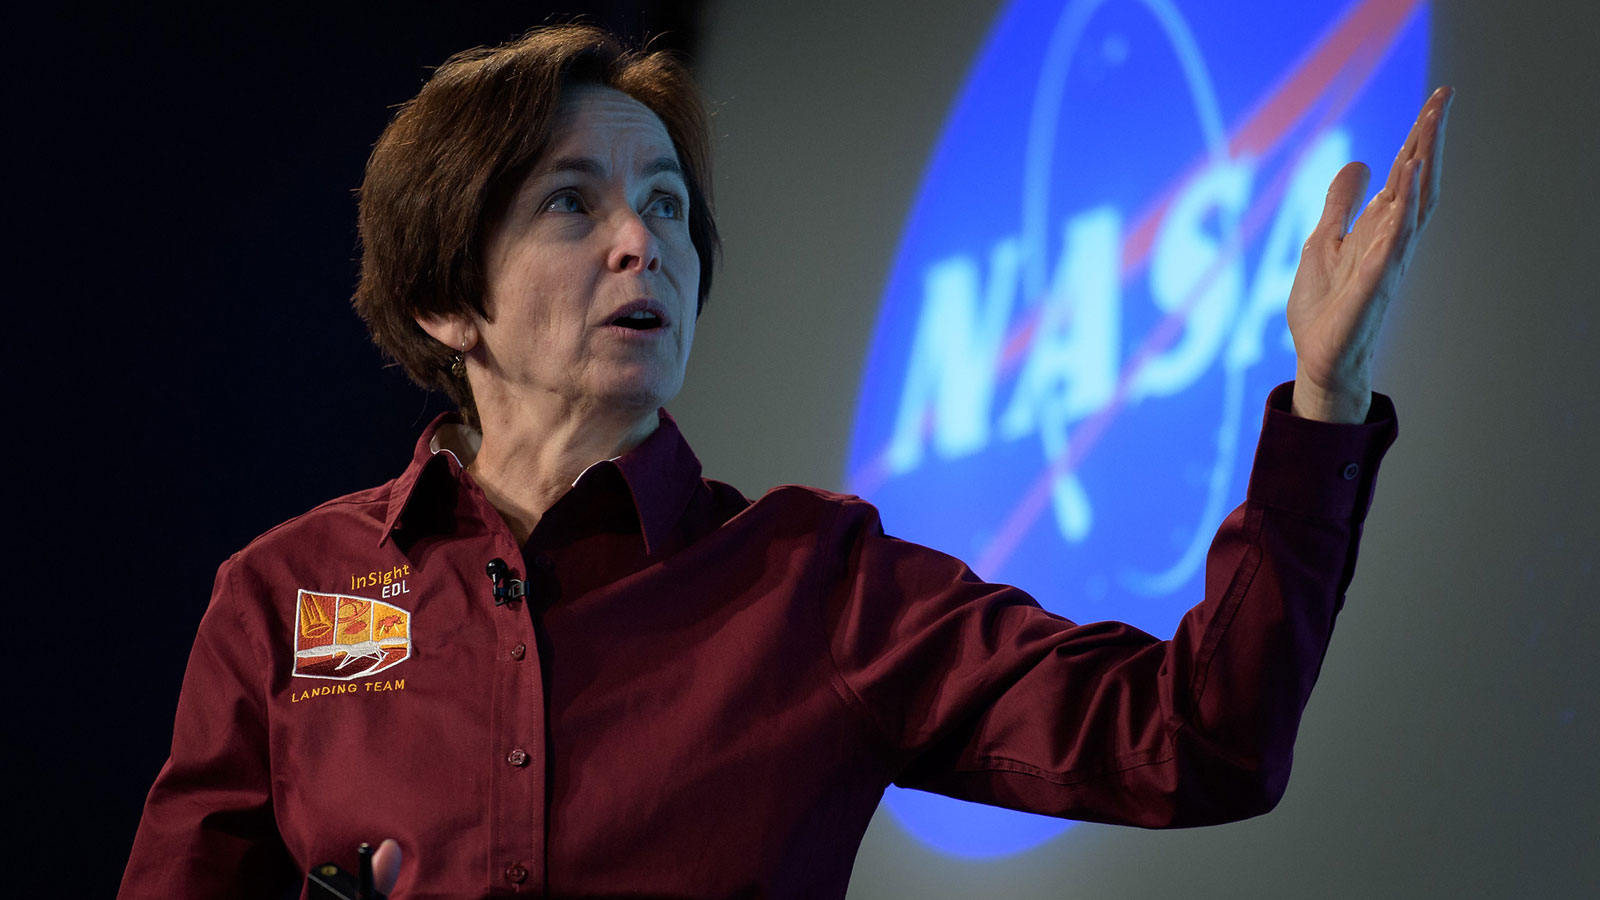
[[1348, 274]]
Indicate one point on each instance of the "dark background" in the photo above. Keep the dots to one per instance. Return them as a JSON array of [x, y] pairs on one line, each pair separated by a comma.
[[183, 247]]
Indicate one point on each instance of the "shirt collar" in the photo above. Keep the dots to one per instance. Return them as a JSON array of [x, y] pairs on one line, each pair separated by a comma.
[[661, 474]]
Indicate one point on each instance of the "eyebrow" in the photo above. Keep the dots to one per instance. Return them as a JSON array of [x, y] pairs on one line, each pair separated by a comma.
[[588, 166]]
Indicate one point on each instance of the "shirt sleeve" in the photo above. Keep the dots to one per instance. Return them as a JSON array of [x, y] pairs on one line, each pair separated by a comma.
[[980, 694], [208, 829]]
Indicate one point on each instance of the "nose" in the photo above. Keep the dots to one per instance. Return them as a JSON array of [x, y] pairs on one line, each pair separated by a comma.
[[634, 245]]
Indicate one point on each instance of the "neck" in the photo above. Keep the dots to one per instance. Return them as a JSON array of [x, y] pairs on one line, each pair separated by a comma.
[[527, 461]]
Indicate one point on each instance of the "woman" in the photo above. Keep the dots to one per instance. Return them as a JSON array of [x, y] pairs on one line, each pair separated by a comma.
[[662, 688]]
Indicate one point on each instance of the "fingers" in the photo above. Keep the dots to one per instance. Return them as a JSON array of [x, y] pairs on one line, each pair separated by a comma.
[[1433, 156], [1392, 183], [1423, 142], [1387, 244], [1411, 190], [386, 866]]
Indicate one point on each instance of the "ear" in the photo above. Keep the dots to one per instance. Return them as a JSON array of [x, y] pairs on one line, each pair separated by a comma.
[[456, 332]]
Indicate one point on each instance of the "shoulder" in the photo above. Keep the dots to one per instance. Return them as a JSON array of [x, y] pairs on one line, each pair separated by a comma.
[[360, 521], [802, 496], [365, 510], [831, 515], [334, 533]]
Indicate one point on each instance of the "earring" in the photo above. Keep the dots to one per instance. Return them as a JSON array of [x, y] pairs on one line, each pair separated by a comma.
[[458, 363]]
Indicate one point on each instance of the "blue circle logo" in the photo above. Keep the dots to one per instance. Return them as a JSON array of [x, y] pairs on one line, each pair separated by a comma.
[[1086, 309]]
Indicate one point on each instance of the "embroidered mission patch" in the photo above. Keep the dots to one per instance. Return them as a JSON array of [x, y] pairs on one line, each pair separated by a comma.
[[343, 638]]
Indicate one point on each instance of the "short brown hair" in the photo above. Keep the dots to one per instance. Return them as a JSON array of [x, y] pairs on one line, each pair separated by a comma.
[[449, 160]]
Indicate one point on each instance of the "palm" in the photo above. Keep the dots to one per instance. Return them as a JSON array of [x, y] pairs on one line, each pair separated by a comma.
[[1347, 275]]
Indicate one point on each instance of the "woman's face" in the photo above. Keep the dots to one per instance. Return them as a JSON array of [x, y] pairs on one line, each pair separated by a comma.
[[592, 278]]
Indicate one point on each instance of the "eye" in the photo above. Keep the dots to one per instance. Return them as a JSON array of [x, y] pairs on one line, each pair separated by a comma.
[[668, 206], [564, 202]]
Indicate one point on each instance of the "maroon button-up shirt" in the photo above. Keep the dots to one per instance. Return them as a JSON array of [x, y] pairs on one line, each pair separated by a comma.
[[705, 696]]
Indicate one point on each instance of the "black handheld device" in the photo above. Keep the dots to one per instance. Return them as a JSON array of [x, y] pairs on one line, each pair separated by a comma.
[[329, 882]]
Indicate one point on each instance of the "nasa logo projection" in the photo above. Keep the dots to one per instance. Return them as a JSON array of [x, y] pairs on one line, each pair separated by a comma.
[[1085, 313]]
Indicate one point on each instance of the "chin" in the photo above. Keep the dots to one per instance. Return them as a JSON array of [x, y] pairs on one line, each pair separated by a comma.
[[643, 394]]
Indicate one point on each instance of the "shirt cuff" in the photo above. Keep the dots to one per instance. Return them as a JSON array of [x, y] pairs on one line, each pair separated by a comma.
[[1322, 469]]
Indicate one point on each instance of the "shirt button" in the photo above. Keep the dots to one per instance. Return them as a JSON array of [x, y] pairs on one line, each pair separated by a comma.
[[1351, 471], [542, 562], [519, 651], [517, 757], [516, 874]]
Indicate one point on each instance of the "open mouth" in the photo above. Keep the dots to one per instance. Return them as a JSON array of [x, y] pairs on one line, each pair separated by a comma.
[[639, 320]]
